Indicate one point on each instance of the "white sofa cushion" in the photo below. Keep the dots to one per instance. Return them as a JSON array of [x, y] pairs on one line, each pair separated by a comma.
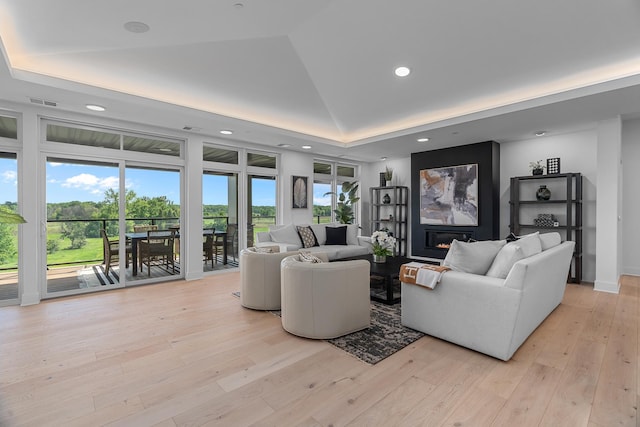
[[286, 234], [504, 260], [549, 240], [320, 230], [472, 257], [530, 244]]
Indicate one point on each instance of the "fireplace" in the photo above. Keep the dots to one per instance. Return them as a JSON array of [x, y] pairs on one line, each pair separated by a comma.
[[441, 239], [432, 234]]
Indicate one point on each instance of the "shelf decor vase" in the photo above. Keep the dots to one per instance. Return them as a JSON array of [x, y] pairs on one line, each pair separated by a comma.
[[386, 199], [543, 193], [537, 171], [380, 259]]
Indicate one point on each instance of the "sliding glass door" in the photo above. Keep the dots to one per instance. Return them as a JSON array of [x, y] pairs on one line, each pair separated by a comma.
[[82, 226], [220, 213], [261, 205], [8, 232], [153, 204]]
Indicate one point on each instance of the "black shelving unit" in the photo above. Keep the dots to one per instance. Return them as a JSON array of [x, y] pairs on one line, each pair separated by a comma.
[[392, 215], [565, 201]]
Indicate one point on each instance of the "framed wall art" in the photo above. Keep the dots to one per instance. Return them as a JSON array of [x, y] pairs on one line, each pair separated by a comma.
[[449, 195], [299, 192]]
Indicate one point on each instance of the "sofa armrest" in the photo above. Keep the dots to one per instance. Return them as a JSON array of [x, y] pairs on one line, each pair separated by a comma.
[[364, 240]]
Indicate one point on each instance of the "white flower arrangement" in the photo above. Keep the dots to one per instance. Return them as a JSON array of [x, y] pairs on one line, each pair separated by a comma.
[[382, 243]]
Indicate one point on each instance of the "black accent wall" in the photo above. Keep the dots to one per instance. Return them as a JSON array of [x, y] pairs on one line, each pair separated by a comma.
[[487, 156]]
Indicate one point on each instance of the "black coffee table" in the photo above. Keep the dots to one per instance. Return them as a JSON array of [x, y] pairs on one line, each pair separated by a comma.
[[385, 285]]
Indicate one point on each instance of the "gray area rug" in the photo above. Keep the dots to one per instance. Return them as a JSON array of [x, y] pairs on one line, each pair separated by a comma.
[[381, 339]]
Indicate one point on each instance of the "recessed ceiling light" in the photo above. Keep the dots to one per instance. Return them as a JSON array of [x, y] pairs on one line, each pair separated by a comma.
[[402, 71], [166, 150], [226, 132], [306, 147], [284, 145], [94, 107], [383, 158], [136, 27], [541, 133], [422, 139], [238, 5]]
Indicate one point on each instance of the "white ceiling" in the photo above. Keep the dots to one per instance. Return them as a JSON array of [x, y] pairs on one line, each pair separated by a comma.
[[321, 71]]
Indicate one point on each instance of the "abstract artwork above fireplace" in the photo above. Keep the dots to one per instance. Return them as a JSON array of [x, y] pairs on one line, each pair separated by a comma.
[[449, 195]]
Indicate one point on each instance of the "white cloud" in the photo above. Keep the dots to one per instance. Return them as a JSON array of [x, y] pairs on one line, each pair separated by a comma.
[[91, 183], [10, 177], [322, 201]]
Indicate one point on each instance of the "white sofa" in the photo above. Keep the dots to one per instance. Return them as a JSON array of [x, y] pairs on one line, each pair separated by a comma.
[[287, 238], [491, 315], [260, 278], [324, 300]]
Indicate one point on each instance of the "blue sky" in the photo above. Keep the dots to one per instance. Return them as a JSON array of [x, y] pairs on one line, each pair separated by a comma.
[[8, 180]]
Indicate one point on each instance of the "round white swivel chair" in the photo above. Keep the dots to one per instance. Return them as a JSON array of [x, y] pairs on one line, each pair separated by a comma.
[[260, 278], [324, 300]]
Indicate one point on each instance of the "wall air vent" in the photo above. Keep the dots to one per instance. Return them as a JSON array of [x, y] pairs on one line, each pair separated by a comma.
[[43, 102]]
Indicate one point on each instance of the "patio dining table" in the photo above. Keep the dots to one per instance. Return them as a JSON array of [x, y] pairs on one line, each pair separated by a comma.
[[136, 237]]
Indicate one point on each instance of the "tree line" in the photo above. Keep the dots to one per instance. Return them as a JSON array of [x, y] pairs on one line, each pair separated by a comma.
[[105, 214]]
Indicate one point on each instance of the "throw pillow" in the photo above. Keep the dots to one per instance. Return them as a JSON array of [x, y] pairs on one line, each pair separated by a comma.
[[549, 240], [475, 257], [508, 255], [321, 233], [352, 234], [286, 234], [307, 236], [306, 256], [336, 235], [268, 249], [530, 244]]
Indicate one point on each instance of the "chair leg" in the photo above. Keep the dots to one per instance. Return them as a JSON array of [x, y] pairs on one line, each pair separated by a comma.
[[107, 264]]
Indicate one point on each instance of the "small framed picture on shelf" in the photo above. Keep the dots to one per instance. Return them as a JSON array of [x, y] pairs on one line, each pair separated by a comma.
[[553, 165]]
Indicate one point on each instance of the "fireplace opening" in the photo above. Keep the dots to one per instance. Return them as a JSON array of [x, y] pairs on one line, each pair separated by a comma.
[[443, 239]]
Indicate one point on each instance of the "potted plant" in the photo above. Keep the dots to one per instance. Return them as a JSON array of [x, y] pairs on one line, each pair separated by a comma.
[[346, 200], [536, 167], [388, 175], [383, 244]]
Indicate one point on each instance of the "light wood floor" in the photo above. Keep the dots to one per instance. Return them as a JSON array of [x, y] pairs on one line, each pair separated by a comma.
[[187, 353]]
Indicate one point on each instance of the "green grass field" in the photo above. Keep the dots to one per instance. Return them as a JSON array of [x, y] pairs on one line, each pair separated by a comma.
[[92, 251]]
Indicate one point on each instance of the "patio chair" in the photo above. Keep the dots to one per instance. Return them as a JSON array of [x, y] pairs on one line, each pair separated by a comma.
[[232, 236], [112, 250], [143, 228], [208, 247], [157, 249]]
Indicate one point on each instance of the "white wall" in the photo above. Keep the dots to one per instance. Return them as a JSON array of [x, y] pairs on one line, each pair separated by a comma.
[[577, 152], [295, 164], [630, 197]]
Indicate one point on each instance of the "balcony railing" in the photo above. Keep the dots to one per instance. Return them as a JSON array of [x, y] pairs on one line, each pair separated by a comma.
[[91, 251]]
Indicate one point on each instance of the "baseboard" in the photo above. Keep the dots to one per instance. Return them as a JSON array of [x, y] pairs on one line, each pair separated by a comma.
[[610, 287], [631, 271]]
